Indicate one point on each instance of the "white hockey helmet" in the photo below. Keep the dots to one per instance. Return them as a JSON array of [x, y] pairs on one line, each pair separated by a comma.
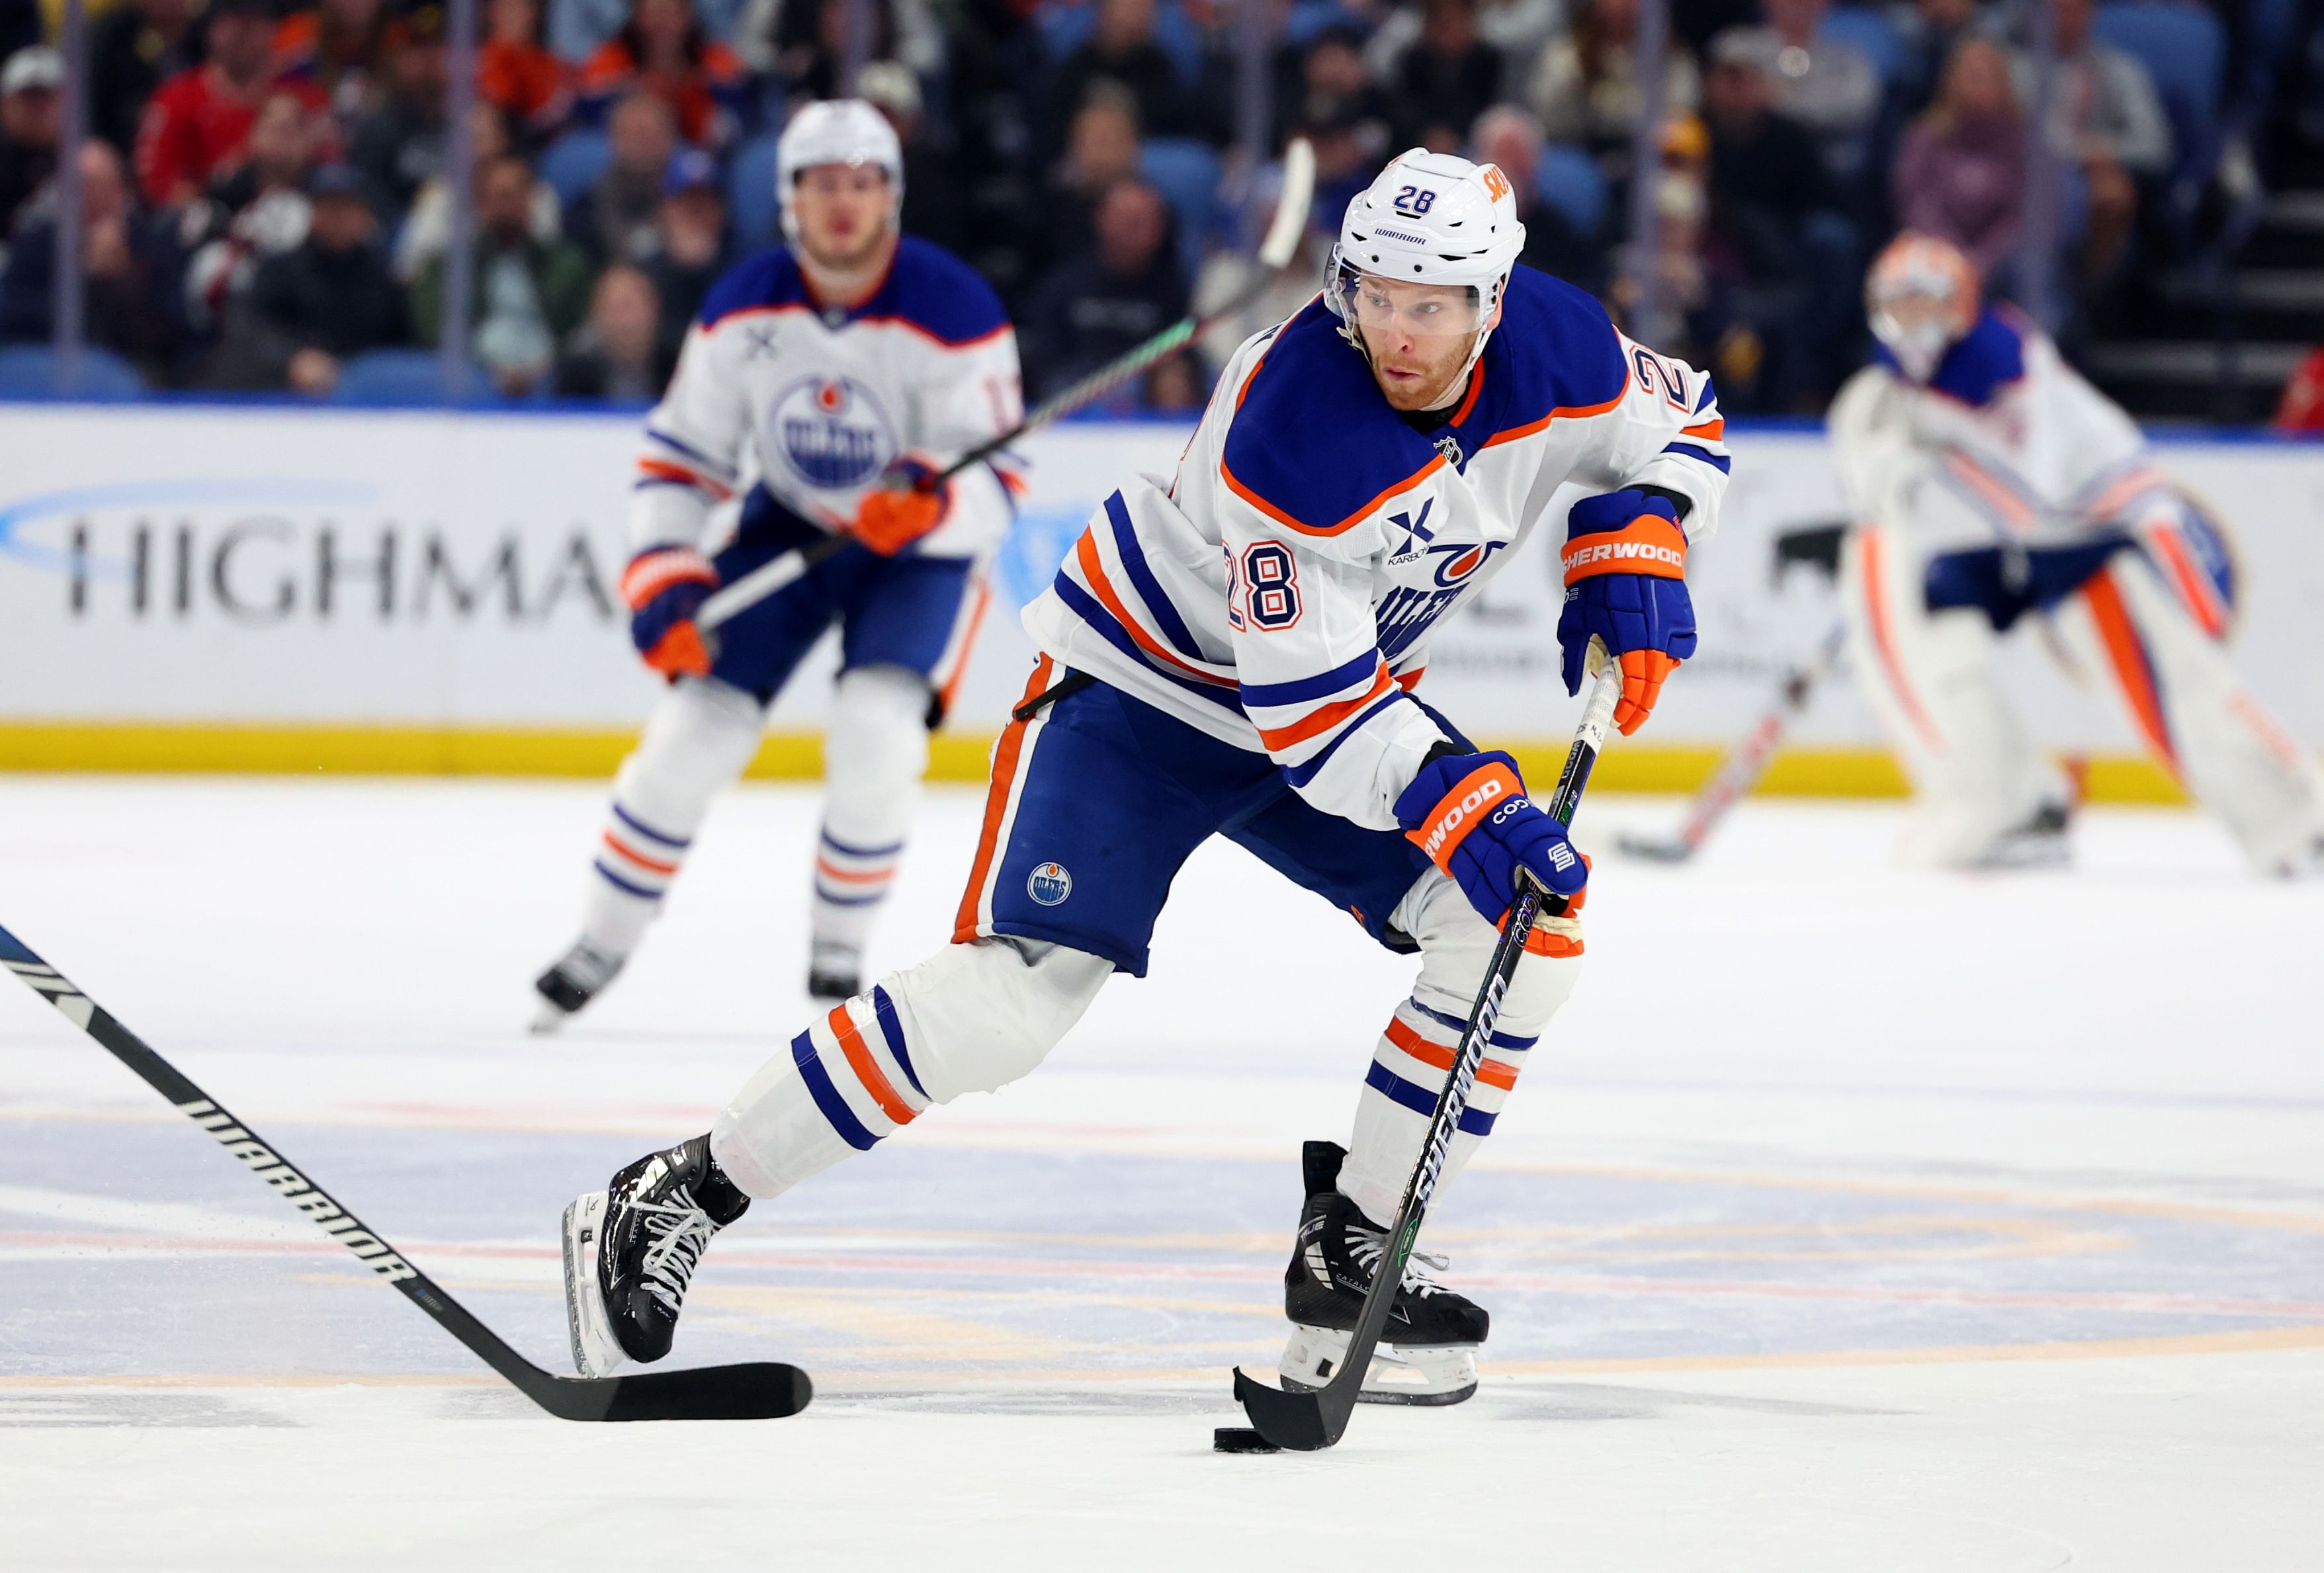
[[837, 131], [1430, 218]]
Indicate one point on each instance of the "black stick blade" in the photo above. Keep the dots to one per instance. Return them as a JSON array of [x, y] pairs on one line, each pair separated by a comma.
[[1673, 850], [759, 1391], [1297, 1421]]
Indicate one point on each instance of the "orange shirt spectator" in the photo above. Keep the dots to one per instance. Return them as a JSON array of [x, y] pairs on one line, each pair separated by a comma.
[[664, 51], [2303, 409], [199, 120], [341, 47], [519, 77]]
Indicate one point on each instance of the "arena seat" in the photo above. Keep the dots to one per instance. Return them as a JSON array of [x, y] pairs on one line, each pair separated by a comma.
[[30, 372]]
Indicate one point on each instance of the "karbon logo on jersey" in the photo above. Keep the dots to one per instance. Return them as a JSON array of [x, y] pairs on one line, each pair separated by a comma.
[[1049, 884], [831, 432]]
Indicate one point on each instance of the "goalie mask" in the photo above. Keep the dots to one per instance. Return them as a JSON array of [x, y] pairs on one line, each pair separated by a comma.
[[1922, 295], [1431, 219], [837, 131]]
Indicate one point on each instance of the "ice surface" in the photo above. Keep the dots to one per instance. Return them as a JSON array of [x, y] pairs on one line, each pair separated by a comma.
[[1849, 1219]]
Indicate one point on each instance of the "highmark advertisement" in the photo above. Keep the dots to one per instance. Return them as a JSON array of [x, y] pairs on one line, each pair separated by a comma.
[[235, 588]]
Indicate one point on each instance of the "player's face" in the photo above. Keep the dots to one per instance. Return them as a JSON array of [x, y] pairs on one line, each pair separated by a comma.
[[843, 214], [1418, 336]]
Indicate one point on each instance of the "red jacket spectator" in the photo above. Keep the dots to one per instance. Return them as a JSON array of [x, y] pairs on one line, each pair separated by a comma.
[[664, 51], [2303, 409], [519, 77], [196, 125]]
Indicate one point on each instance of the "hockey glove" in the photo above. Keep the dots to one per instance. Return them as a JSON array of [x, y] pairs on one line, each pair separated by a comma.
[[907, 503], [1626, 583], [665, 587], [1469, 814]]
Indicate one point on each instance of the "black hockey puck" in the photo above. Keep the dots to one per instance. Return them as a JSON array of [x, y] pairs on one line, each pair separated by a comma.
[[1241, 1439]]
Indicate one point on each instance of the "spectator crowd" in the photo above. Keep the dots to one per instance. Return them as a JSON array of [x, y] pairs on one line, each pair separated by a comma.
[[266, 200]]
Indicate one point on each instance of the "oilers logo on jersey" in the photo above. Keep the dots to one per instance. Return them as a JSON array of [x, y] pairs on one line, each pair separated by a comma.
[[1049, 884], [831, 432]]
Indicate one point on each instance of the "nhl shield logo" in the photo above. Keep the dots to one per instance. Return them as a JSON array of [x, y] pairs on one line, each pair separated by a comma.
[[1049, 884], [831, 432]]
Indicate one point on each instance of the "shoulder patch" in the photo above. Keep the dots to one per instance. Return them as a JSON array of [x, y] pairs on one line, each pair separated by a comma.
[[1312, 444], [765, 279], [932, 290]]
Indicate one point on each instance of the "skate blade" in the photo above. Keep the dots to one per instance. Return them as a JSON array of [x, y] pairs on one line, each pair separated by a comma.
[[547, 1020], [1423, 1376], [595, 1351]]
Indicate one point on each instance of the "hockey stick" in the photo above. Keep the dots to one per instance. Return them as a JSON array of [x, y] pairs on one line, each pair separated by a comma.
[[759, 1391], [1741, 771], [1306, 1421], [1276, 249]]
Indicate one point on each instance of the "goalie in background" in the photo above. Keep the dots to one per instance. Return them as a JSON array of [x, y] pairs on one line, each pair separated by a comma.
[[1988, 481]]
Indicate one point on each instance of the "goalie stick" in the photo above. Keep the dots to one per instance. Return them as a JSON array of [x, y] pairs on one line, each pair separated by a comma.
[[1276, 249], [757, 1391], [1305, 1422]]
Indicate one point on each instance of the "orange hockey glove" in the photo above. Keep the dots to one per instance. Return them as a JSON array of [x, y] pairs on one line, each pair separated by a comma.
[[908, 501]]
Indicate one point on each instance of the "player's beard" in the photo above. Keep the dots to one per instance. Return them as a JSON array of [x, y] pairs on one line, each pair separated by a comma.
[[1438, 380]]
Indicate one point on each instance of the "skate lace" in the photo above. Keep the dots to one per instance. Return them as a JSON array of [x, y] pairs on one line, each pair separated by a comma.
[[1367, 1246], [676, 1234]]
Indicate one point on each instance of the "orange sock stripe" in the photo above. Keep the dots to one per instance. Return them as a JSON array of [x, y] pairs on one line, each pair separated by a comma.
[[823, 866], [867, 1070], [996, 807], [641, 861], [2128, 658], [1492, 1073]]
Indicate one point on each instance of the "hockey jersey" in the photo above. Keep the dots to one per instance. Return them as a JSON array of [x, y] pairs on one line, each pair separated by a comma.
[[812, 402], [2007, 443], [1280, 591]]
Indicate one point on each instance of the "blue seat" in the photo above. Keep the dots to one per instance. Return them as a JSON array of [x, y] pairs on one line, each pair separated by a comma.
[[400, 377], [1570, 180], [574, 161], [752, 202], [1067, 26], [1311, 17], [1187, 173], [30, 372], [1871, 32], [2184, 48]]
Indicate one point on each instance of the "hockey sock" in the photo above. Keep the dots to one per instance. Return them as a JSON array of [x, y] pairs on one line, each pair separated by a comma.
[[875, 749]]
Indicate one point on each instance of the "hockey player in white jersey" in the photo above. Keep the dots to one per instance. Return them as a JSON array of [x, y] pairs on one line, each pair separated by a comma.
[[820, 381], [1990, 483], [1232, 650]]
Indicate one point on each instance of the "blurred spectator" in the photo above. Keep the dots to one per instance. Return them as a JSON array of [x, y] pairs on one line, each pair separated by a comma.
[[662, 51], [400, 146], [620, 352], [258, 211], [1961, 170], [1348, 152], [615, 218], [530, 293], [2302, 408], [428, 228], [1333, 85], [1122, 51], [1823, 83], [1518, 29], [1173, 387], [133, 47], [1097, 306], [1777, 242], [1509, 136], [802, 43], [128, 270], [690, 250], [577, 28], [1102, 147], [31, 115], [2105, 118], [340, 47], [1446, 80], [935, 198], [1585, 90], [517, 76], [1927, 31], [196, 122], [311, 308]]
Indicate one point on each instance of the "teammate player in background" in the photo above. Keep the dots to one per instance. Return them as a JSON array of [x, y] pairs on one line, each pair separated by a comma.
[[822, 379], [1989, 481], [1233, 652]]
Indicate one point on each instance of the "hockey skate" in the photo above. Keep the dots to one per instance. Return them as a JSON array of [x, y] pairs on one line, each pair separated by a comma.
[[577, 977], [2040, 842], [1428, 1353], [833, 971], [631, 1250]]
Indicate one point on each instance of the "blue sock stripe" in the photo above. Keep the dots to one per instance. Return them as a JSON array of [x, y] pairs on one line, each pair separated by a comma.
[[1474, 1121], [647, 830], [826, 1097], [828, 899], [836, 845], [618, 883], [1454, 1025], [884, 1009]]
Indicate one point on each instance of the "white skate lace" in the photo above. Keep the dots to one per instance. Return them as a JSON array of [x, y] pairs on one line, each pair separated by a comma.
[[1367, 1246], [679, 1232]]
